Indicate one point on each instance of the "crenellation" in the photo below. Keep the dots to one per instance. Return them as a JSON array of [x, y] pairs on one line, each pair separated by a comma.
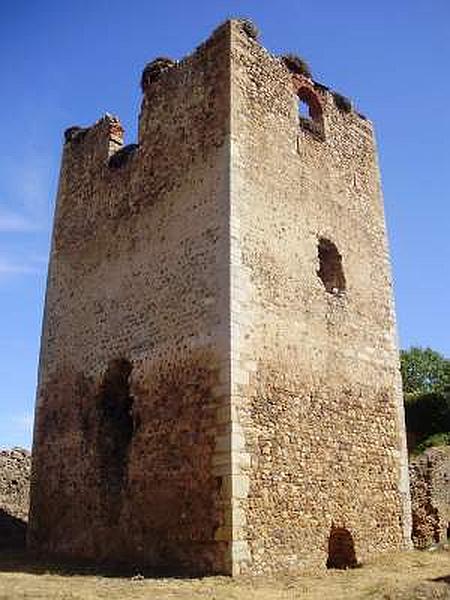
[[153, 71], [100, 139]]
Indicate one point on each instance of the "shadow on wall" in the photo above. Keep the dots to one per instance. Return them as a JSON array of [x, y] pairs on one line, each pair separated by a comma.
[[341, 549], [114, 413], [443, 579], [12, 531]]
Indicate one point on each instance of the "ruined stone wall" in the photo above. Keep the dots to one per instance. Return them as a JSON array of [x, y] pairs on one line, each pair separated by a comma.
[[318, 444], [429, 475], [133, 386], [15, 466]]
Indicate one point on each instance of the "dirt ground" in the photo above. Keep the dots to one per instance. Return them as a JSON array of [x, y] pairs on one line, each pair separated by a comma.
[[407, 576]]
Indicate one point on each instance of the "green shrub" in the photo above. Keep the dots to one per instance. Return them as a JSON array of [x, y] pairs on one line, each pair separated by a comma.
[[75, 134], [427, 415], [438, 439], [297, 65], [153, 70], [250, 29], [424, 370], [342, 102]]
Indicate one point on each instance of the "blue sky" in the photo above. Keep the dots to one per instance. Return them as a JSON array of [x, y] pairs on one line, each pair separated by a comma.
[[66, 63]]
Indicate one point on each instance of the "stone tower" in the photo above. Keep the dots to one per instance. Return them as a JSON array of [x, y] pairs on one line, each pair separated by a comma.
[[219, 389]]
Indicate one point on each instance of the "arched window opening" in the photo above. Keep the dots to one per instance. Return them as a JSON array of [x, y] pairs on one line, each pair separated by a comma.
[[330, 269], [309, 111], [341, 549]]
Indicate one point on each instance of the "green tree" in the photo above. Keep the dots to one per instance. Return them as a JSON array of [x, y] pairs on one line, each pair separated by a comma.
[[424, 371], [428, 414], [426, 388]]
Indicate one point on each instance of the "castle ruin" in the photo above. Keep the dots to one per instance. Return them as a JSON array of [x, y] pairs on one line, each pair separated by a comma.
[[219, 386]]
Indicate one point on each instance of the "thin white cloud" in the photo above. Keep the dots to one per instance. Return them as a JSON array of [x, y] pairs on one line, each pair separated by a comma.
[[40, 259], [21, 428], [16, 223], [10, 267], [27, 190], [24, 421]]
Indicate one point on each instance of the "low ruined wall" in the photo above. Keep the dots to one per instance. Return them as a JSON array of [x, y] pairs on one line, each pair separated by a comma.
[[15, 468], [430, 496]]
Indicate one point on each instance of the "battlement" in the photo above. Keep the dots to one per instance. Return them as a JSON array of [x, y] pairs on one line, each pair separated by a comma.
[[171, 87], [164, 83], [187, 121]]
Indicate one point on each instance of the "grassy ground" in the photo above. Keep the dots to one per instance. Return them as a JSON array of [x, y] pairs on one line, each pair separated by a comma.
[[408, 576]]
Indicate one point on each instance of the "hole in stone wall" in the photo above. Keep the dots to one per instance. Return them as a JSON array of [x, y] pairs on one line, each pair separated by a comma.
[[341, 549], [330, 270], [303, 109], [115, 424], [448, 531], [310, 112]]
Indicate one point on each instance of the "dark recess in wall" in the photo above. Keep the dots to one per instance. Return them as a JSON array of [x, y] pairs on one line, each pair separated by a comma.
[[12, 531], [115, 430]]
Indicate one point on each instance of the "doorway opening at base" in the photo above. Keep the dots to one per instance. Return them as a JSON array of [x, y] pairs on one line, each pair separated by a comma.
[[341, 549]]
